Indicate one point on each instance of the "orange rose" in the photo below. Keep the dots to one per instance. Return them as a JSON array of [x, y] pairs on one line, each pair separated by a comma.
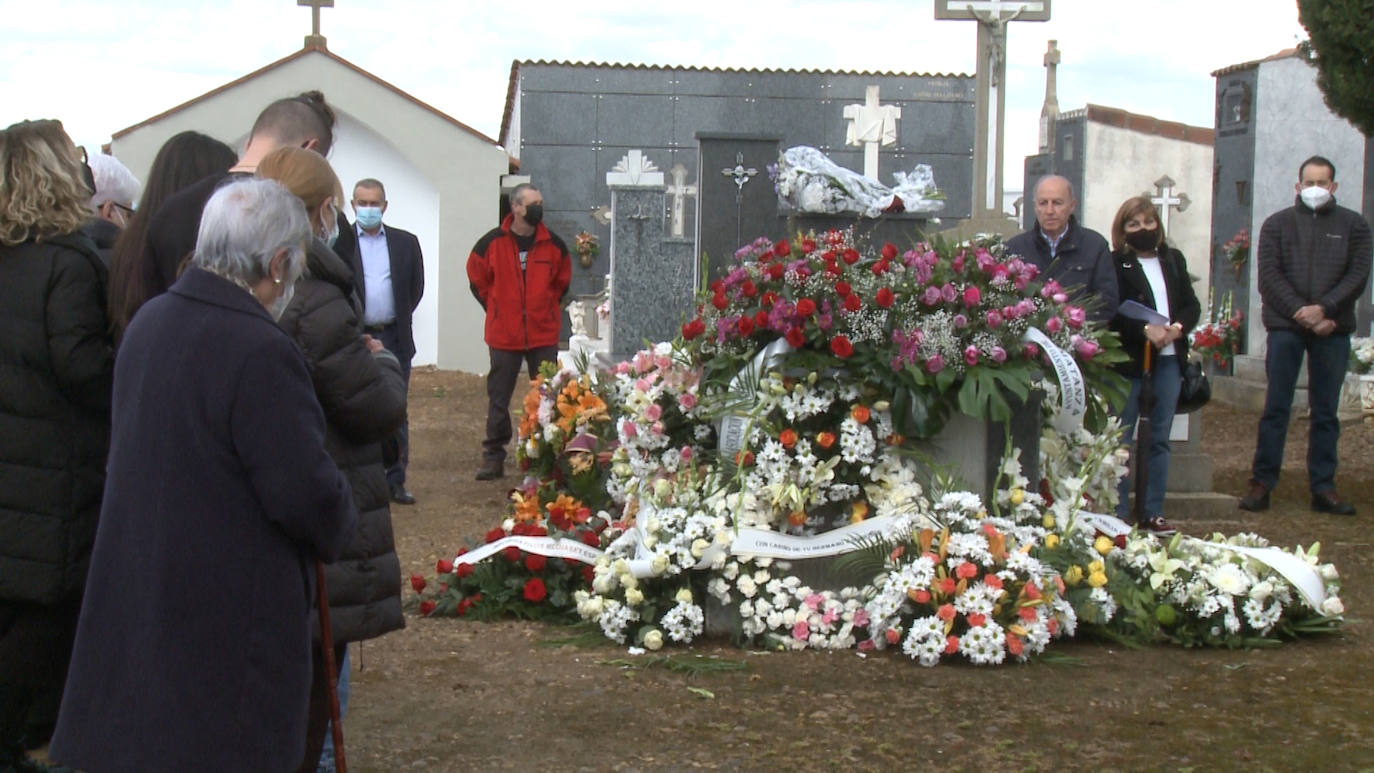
[[860, 414], [796, 517], [788, 438], [825, 439]]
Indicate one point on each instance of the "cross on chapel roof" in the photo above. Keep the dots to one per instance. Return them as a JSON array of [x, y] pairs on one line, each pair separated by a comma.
[[315, 39]]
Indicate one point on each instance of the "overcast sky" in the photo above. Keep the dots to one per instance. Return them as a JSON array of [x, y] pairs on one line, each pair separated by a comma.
[[103, 66]]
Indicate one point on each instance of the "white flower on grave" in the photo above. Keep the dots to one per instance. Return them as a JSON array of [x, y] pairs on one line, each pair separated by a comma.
[[746, 586], [1261, 591], [1332, 606], [1329, 573], [659, 565], [719, 589], [684, 596], [1230, 579], [634, 596]]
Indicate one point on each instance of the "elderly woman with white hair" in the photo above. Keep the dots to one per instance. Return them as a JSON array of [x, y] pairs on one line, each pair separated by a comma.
[[193, 648]]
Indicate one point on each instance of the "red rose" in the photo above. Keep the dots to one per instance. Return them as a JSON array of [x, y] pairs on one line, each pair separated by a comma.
[[512, 553], [426, 607], [464, 570], [720, 301], [760, 318], [464, 606], [495, 534], [889, 251], [535, 590], [746, 327], [769, 298], [850, 256], [843, 288], [852, 302], [880, 267], [841, 346], [776, 271], [782, 249], [693, 329], [418, 583], [588, 574], [535, 562], [796, 337], [884, 297], [833, 269], [444, 566], [750, 290], [591, 539], [718, 286], [806, 307], [972, 295], [808, 246]]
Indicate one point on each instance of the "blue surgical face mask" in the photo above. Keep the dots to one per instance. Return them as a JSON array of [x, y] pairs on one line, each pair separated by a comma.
[[332, 235], [369, 217]]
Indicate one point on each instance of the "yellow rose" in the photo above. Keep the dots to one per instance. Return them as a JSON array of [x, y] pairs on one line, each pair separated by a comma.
[[1047, 521], [1074, 575], [1051, 541], [1097, 579], [1017, 496], [1104, 545], [1096, 566]]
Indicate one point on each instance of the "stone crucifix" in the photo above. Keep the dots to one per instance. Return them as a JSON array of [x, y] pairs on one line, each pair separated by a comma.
[[678, 191], [992, 17], [872, 125], [315, 38], [1165, 198]]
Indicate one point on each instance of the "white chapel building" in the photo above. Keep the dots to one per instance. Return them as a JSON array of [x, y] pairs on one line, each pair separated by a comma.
[[442, 177]]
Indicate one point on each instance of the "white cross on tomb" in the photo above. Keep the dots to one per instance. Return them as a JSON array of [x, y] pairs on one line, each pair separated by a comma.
[[872, 125], [678, 192], [1166, 200]]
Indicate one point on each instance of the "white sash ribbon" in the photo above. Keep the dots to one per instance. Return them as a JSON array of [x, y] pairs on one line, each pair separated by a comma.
[[1073, 395]]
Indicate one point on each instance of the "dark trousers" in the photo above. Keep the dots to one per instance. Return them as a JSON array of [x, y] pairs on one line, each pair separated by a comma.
[[505, 370], [396, 473], [317, 721], [1327, 359], [35, 646]]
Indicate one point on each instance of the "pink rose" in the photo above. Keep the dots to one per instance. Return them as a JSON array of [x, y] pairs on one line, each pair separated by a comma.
[[1031, 351], [959, 321], [687, 401], [1086, 349], [971, 355], [860, 618], [1060, 298], [1076, 316], [814, 601], [931, 296], [628, 428], [935, 364], [1054, 325], [801, 631], [994, 318], [998, 354], [654, 412], [948, 293]]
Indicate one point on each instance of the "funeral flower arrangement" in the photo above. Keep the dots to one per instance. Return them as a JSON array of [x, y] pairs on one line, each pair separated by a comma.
[[1220, 337], [1237, 250], [1361, 355], [656, 491]]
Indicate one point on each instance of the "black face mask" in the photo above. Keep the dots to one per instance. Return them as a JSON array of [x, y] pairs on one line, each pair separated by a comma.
[[1144, 240], [534, 213]]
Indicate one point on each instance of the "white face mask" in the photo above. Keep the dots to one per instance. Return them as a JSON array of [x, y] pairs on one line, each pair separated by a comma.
[[282, 301], [1315, 196]]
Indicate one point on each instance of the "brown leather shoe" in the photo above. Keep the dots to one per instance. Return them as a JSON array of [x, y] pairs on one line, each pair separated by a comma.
[[491, 469], [1256, 499], [1328, 502]]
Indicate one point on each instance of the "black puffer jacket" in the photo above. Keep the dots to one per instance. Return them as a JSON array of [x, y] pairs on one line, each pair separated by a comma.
[[1311, 256], [56, 365], [364, 401]]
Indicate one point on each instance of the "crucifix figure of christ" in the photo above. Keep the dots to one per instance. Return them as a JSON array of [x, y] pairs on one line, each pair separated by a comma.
[[740, 174], [315, 38], [992, 17], [872, 125], [1166, 199], [678, 192]]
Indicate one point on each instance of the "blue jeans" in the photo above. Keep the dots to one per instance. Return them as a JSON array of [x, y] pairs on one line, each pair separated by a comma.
[[327, 756], [1166, 380], [1327, 359]]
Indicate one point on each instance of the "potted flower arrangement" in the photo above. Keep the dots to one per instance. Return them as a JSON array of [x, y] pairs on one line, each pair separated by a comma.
[[1361, 364], [586, 247], [1237, 250], [1219, 339]]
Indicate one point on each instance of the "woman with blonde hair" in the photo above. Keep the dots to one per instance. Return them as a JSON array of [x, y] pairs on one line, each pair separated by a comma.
[[360, 387], [1154, 275], [56, 364]]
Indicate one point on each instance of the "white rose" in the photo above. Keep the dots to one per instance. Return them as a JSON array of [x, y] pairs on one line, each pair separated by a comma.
[[699, 547], [508, 524], [662, 488], [761, 577], [628, 581], [731, 571], [660, 564], [621, 566], [684, 596], [1332, 606], [602, 583], [654, 639], [634, 597], [1262, 590], [746, 586], [1329, 572], [650, 541]]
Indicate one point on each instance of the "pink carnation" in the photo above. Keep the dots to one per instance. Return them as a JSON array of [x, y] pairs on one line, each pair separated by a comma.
[[801, 631]]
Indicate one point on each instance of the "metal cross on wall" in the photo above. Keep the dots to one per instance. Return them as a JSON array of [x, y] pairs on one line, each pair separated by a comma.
[[740, 174], [1165, 199], [315, 38], [992, 17]]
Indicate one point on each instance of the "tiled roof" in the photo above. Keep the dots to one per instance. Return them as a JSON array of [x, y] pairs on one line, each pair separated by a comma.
[[1138, 122], [1284, 54]]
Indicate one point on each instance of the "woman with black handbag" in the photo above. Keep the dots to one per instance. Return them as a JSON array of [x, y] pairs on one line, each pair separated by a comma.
[[1151, 277]]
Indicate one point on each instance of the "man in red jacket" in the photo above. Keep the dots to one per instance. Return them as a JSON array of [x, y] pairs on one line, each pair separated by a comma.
[[519, 273]]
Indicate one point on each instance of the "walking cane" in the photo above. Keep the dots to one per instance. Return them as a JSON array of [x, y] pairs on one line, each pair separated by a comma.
[[1142, 439], [332, 676]]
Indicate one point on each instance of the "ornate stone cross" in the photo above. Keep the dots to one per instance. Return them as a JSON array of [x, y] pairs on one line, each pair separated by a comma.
[[992, 17], [315, 38], [872, 125], [678, 192], [1165, 199]]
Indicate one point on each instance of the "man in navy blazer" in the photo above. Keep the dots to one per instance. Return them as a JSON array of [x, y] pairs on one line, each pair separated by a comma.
[[390, 274]]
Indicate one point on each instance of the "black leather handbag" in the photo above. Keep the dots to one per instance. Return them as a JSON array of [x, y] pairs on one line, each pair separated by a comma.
[[1196, 389]]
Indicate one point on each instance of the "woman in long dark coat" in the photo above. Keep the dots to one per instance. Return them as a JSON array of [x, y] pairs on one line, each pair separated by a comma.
[[193, 650], [55, 367], [360, 387]]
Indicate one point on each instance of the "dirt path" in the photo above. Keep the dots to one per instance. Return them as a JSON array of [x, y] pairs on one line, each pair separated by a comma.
[[448, 694]]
